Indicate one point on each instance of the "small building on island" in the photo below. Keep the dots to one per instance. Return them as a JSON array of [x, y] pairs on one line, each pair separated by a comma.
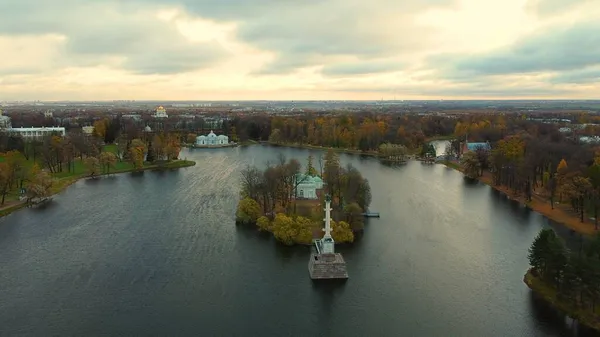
[[308, 186], [211, 140]]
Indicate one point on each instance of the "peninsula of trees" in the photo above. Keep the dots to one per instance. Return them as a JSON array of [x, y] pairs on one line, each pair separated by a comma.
[[269, 200], [569, 281]]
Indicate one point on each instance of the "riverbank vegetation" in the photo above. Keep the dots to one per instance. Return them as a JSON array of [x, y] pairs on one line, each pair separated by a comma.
[[270, 199], [31, 170], [569, 281]]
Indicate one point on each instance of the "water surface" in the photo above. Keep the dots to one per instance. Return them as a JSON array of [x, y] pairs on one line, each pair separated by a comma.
[[158, 254]]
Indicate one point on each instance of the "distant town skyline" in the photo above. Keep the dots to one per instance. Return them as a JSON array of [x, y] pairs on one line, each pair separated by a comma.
[[299, 50]]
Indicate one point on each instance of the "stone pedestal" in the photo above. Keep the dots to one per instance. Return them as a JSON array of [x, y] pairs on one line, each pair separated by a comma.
[[327, 266]]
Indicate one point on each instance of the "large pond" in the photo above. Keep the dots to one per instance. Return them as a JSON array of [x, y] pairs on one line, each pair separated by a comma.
[[158, 254]]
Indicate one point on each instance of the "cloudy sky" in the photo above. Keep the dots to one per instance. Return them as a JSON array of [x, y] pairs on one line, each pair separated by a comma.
[[299, 49]]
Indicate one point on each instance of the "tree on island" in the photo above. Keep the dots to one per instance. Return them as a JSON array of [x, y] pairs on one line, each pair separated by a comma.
[[310, 169], [269, 201]]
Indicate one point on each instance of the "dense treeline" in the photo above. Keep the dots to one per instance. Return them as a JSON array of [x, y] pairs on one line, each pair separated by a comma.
[[269, 199], [575, 276]]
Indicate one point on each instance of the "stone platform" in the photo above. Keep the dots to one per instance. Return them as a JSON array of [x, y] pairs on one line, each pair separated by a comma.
[[327, 266]]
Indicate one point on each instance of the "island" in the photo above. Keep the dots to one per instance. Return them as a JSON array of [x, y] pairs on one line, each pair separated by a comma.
[[288, 202], [568, 280]]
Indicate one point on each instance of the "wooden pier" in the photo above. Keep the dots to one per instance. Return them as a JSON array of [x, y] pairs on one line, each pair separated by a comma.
[[371, 214]]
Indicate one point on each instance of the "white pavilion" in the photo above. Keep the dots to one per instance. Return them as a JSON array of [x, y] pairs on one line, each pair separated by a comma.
[[212, 139], [308, 186]]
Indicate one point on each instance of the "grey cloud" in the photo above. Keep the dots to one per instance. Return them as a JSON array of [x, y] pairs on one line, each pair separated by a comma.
[[553, 7], [300, 33], [303, 32], [498, 91], [555, 50], [582, 76], [98, 30], [360, 68]]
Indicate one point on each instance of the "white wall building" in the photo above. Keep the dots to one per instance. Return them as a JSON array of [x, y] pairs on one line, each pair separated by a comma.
[[212, 139], [161, 113], [308, 186], [37, 132]]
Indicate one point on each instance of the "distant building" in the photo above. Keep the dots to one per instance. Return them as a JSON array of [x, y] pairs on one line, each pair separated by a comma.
[[308, 186], [48, 114], [87, 130], [37, 132], [161, 113], [4, 121], [212, 139], [472, 147]]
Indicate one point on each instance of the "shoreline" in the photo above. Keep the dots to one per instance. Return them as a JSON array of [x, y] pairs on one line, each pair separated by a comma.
[[322, 148], [548, 294], [538, 204], [61, 184]]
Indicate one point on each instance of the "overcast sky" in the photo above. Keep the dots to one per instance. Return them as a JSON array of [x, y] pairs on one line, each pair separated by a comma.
[[299, 49]]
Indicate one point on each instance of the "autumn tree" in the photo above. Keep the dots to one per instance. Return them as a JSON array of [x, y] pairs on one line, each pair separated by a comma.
[[248, 211], [92, 165], [310, 169], [341, 232], [190, 138], [137, 151], [107, 160], [471, 165], [40, 185]]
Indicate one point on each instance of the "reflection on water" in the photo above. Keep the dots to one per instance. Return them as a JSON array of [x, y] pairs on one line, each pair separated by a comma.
[[158, 253]]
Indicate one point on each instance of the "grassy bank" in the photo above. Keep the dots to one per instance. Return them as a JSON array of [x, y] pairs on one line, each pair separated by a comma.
[[63, 180], [560, 214], [542, 289]]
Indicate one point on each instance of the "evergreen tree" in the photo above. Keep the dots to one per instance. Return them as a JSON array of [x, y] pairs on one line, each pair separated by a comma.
[[150, 155]]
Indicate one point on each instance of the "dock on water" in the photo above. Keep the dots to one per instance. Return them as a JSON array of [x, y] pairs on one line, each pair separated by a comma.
[[371, 214]]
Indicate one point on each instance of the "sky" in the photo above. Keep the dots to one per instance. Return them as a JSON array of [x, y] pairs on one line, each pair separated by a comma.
[[299, 49]]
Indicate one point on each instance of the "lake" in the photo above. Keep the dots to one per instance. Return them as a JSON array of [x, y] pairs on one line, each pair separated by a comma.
[[158, 254]]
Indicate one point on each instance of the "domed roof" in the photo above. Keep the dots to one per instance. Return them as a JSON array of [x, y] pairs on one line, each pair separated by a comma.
[[212, 134], [201, 137], [317, 179]]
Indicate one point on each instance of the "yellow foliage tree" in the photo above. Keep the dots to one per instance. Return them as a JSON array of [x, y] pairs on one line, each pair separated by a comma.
[[263, 223], [248, 211], [341, 232], [561, 166]]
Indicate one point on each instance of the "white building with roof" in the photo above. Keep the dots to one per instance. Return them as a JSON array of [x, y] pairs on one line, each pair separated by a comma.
[[37, 132], [308, 186], [212, 140]]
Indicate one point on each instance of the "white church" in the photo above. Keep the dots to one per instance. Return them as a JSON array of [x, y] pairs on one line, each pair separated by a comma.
[[308, 186], [212, 140]]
